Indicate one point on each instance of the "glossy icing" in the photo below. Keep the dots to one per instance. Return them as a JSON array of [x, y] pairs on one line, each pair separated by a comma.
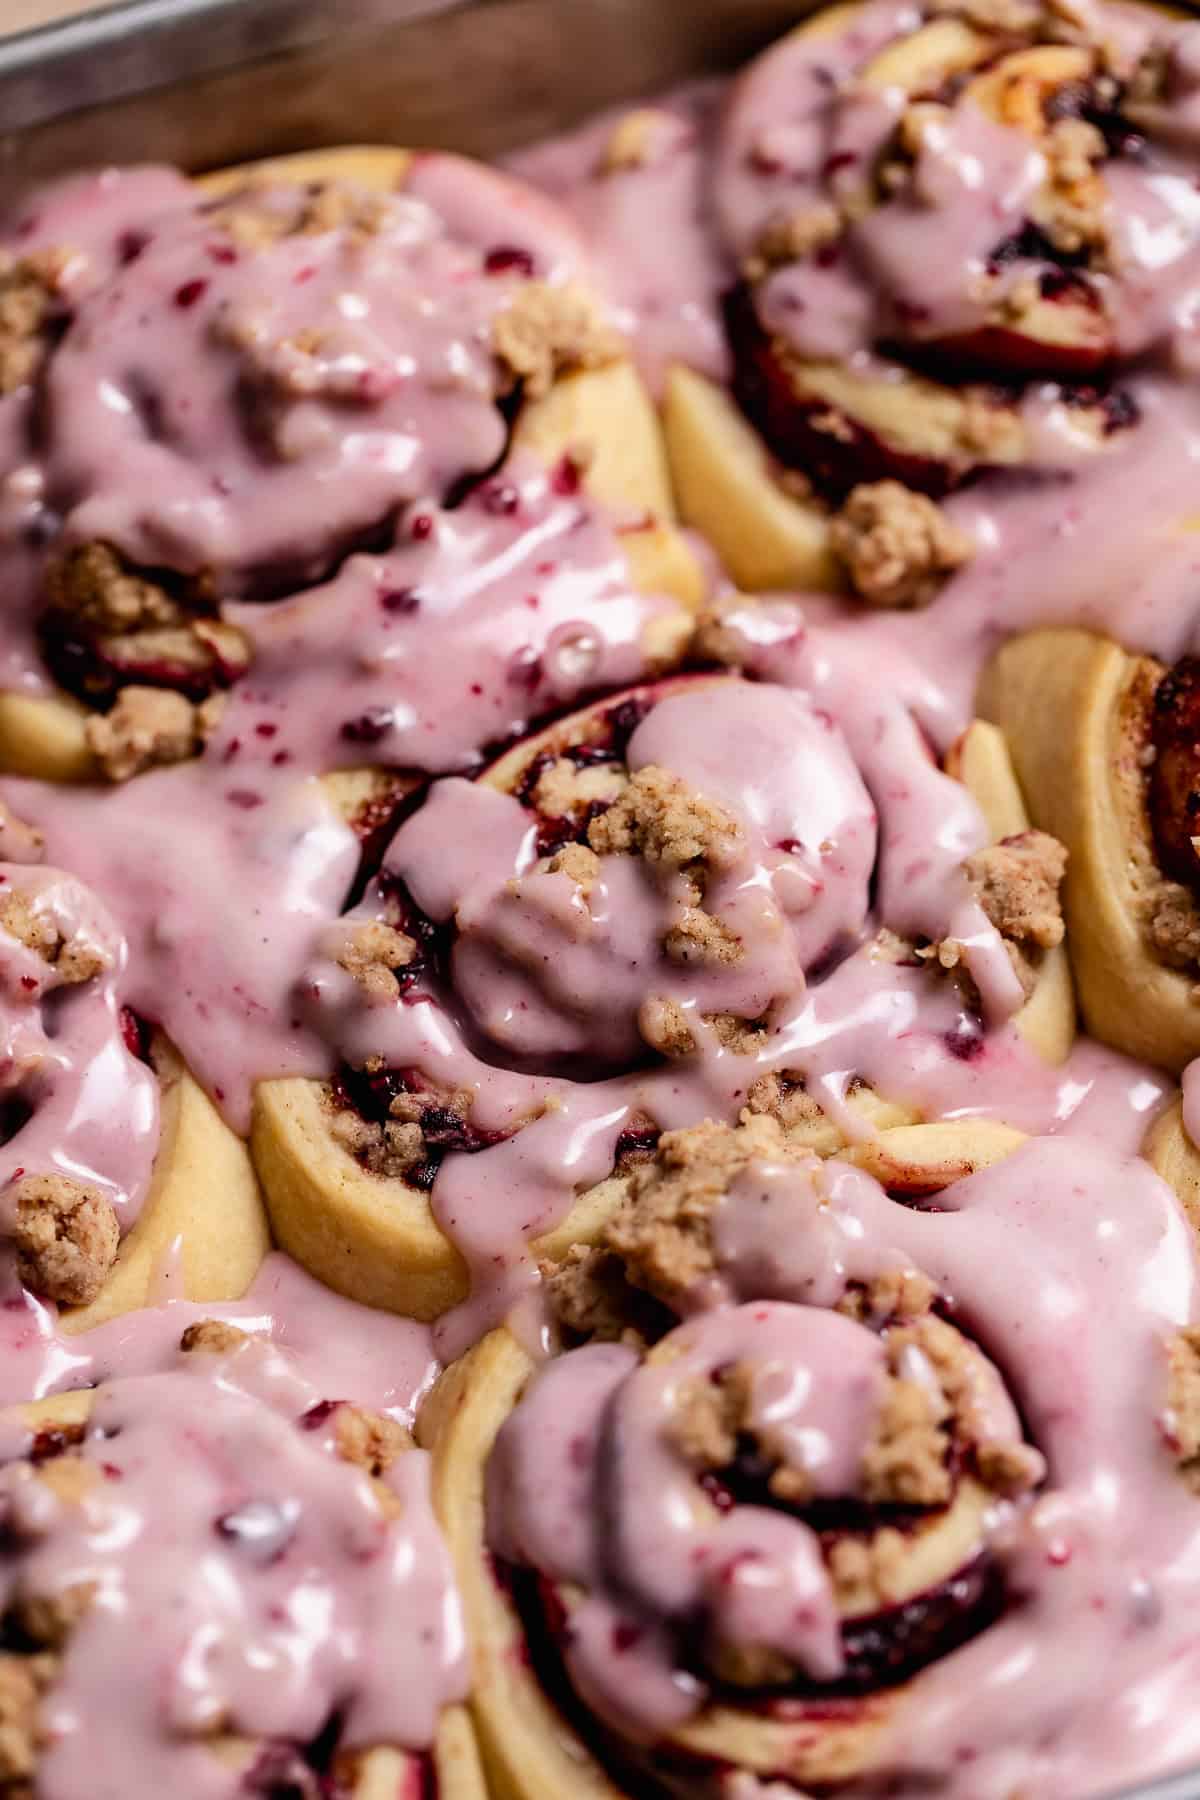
[[1034, 1255], [249, 1582], [77, 1101], [286, 420], [360, 354]]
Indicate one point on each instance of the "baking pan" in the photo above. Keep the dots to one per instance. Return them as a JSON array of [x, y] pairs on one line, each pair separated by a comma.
[[205, 82]]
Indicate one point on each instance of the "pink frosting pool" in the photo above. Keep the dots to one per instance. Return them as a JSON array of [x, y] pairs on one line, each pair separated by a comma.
[[406, 779]]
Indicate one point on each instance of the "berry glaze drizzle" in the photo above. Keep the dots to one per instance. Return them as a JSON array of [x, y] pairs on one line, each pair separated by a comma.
[[301, 430], [251, 1581]]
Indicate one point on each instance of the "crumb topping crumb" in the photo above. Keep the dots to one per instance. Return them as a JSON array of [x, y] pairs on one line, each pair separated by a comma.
[[658, 817], [93, 584], [30, 293], [372, 953], [393, 1147], [50, 1618], [791, 236], [389, 1149], [577, 862], [1173, 924], [1005, 1466], [662, 1233], [369, 1440], [589, 1295], [1073, 209], [211, 1337], [897, 545], [698, 937], [905, 1462], [1019, 882], [132, 627], [66, 1237], [73, 959], [150, 728], [716, 639], [546, 331], [263, 213], [784, 1098], [664, 1024], [563, 790], [23, 1679], [718, 1419], [898, 1294]]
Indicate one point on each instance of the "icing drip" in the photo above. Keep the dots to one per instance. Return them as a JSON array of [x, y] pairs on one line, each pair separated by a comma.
[[283, 416], [261, 384], [497, 598], [247, 1582], [1071, 1266], [78, 1106]]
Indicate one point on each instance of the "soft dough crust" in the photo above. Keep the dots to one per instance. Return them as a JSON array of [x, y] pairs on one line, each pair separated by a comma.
[[529, 1750], [981, 761], [726, 487], [382, 1773], [1062, 699], [379, 166], [203, 1208], [604, 416], [1172, 1154], [372, 1237]]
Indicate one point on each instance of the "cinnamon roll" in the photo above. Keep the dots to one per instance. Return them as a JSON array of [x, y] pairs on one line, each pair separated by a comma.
[[216, 1579], [689, 898], [117, 1171], [811, 1505], [175, 487], [941, 279], [1102, 740]]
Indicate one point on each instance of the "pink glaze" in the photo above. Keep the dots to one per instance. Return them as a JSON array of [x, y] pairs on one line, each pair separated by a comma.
[[238, 410], [346, 1350], [76, 1102], [538, 979], [772, 140], [1063, 553], [546, 974], [99, 218], [1071, 1266], [248, 1581], [478, 620], [228, 877], [648, 225], [800, 126], [1050, 549], [221, 888], [757, 1575], [527, 604]]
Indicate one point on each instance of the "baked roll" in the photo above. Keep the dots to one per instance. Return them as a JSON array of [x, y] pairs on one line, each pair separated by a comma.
[[117, 1171], [228, 475], [256, 1566], [936, 232], [706, 1557], [1103, 743], [668, 902]]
